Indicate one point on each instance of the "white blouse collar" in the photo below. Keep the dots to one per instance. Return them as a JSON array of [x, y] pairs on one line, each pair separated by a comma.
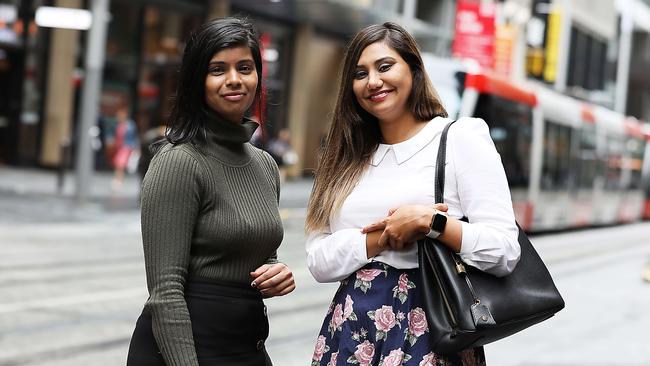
[[406, 149]]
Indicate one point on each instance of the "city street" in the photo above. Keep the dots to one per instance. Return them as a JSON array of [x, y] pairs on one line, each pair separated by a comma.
[[72, 285], [551, 97]]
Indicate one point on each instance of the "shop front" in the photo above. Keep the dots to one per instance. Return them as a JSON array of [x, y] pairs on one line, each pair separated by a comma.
[[20, 79]]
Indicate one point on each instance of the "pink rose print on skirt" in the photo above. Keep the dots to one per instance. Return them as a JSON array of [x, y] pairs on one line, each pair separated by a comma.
[[384, 320], [429, 359], [365, 277], [375, 328], [403, 286], [395, 358], [337, 320], [320, 349], [363, 355], [333, 359], [417, 325], [348, 312]]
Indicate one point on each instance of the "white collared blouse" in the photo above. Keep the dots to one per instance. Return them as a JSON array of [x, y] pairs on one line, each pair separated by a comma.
[[403, 174]]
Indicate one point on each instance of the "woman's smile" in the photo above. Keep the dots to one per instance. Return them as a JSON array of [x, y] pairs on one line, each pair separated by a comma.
[[231, 82], [234, 97], [379, 96], [382, 82]]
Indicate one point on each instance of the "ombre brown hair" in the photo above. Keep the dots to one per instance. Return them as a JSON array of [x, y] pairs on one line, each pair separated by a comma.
[[354, 133]]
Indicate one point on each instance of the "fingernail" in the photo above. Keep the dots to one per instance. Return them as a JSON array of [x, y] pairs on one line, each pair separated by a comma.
[[253, 284]]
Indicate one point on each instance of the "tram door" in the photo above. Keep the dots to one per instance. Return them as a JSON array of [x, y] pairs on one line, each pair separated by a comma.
[[510, 125]]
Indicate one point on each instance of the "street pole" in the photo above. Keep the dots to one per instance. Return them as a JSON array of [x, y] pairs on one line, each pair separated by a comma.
[[92, 83], [624, 54]]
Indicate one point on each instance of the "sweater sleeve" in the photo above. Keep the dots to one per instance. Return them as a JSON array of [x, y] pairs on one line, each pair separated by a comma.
[[273, 171], [170, 206], [489, 241]]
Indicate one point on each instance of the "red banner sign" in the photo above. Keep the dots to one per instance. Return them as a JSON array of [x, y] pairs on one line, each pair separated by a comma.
[[475, 31]]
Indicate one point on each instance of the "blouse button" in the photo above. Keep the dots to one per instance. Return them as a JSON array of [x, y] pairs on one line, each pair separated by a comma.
[[260, 344]]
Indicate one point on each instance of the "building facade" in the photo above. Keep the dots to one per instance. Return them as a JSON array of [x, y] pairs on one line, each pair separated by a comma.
[[41, 69], [570, 45]]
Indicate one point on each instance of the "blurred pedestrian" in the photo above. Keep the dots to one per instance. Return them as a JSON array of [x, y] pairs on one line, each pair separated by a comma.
[[149, 140], [125, 145], [282, 152], [210, 220], [373, 198]]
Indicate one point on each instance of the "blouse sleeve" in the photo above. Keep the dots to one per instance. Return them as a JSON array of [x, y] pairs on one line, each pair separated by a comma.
[[489, 240], [332, 257], [170, 205]]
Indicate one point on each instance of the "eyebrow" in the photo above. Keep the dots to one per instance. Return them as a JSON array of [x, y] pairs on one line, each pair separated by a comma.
[[379, 61], [246, 60]]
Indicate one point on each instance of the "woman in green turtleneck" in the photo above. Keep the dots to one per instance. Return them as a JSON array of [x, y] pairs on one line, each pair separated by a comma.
[[210, 219]]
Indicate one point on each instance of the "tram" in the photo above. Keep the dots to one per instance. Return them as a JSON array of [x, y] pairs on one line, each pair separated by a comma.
[[569, 163]]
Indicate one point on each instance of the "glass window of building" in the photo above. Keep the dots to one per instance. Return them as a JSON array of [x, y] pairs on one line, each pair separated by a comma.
[[21, 78], [11, 56], [276, 41], [143, 55], [587, 60], [163, 39]]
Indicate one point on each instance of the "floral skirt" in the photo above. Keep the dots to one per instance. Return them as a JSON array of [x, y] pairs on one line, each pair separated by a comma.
[[377, 318]]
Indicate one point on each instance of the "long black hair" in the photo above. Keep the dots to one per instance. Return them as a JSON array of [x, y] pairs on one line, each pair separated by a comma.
[[189, 109]]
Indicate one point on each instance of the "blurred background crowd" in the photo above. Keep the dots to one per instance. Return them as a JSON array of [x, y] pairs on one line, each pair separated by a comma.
[[576, 47]]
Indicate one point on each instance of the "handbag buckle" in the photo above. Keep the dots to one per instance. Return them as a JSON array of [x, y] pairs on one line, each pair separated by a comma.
[[460, 268]]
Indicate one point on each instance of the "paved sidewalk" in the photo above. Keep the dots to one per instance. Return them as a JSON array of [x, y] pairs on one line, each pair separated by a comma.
[[32, 181], [31, 195]]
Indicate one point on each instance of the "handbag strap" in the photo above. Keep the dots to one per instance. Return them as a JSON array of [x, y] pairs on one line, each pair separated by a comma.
[[479, 311], [439, 184]]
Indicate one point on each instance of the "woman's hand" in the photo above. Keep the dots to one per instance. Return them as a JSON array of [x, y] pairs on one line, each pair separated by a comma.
[[404, 225], [273, 280]]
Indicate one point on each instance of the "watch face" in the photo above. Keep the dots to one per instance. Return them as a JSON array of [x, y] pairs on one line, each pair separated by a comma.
[[439, 222]]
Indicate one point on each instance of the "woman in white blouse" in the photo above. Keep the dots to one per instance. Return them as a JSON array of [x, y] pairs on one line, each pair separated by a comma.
[[373, 198]]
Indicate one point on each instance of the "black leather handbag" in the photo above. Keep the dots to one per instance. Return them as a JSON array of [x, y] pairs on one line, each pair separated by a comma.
[[466, 307]]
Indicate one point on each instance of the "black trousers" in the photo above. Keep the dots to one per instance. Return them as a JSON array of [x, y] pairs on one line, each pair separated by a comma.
[[229, 325]]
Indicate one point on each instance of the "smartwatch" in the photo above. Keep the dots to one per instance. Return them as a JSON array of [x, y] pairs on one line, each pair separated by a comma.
[[437, 226]]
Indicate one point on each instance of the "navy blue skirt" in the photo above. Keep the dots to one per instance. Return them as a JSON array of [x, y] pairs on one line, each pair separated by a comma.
[[377, 318]]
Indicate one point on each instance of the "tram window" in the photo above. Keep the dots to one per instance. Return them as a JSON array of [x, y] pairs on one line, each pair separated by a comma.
[[586, 162], [633, 161], [613, 161], [511, 131], [557, 157]]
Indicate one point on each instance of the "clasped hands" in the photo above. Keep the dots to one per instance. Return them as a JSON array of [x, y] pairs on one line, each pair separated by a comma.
[[403, 225], [273, 279]]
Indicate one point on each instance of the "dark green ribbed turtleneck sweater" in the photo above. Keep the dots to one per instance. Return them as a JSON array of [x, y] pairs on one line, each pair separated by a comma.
[[209, 209]]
